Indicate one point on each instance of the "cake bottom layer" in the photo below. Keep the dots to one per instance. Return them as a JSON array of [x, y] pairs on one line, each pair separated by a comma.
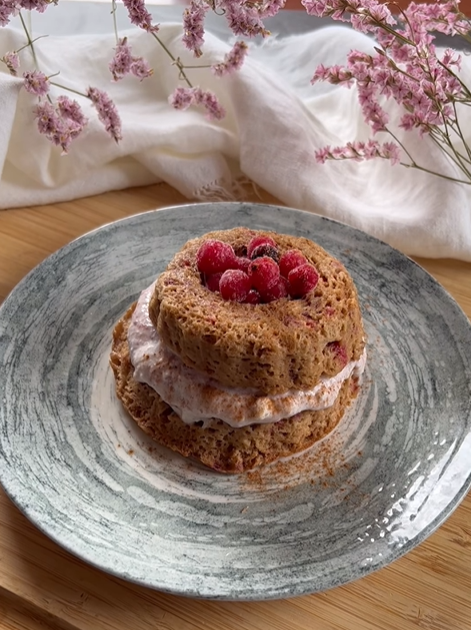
[[216, 444]]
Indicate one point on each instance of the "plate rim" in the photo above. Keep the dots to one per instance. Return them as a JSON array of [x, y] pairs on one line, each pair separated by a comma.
[[394, 554]]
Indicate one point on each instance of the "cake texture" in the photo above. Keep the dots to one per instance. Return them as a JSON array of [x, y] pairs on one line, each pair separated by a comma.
[[271, 354], [286, 344], [216, 444]]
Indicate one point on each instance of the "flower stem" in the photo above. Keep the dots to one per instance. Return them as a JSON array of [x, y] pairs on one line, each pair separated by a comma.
[[208, 65], [176, 61], [443, 138], [460, 133], [413, 163], [28, 37], [426, 170], [64, 87], [453, 157], [115, 21], [32, 42], [396, 139]]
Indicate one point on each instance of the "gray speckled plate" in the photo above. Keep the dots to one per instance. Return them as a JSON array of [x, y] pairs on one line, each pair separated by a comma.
[[78, 467]]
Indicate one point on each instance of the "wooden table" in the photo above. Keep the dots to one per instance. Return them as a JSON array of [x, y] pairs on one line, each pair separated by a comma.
[[42, 586]]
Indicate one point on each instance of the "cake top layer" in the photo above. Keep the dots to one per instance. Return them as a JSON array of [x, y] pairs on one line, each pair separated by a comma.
[[274, 347]]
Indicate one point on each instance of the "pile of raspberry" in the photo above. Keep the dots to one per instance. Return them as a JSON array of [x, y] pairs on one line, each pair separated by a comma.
[[258, 278]]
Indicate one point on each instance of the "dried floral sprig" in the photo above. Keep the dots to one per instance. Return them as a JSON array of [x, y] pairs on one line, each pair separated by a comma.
[[8, 9], [71, 110], [407, 69], [271, 7], [193, 26], [359, 151], [107, 112], [12, 59], [12, 62], [183, 98], [124, 62], [11, 8], [36, 82], [245, 18], [232, 61], [61, 124], [62, 120], [140, 16]]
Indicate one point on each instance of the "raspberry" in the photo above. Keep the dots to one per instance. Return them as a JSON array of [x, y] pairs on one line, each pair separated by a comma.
[[301, 280], [259, 240], [234, 285], [242, 263], [265, 249], [278, 291], [264, 273], [253, 297], [290, 260], [212, 281], [215, 256], [339, 351]]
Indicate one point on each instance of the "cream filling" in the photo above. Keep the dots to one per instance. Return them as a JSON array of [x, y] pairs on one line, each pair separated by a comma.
[[195, 397]]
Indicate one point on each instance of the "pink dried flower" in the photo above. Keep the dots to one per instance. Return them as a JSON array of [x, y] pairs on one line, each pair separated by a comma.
[[373, 113], [359, 151], [182, 98], [37, 5], [140, 16], [369, 15], [12, 62], [70, 109], [124, 63], [8, 9], [390, 151], [365, 15], [59, 129], [107, 112], [451, 58], [442, 17], [243, 18], [232, 61], [193, 26], [334, 75], [271, 8], [210, 102], [406, 68], [122, 60], [140, 68], [48, 118], [322, 155], [36, 82]]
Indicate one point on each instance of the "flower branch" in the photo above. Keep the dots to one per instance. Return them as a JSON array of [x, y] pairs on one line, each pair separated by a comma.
[[408, 70], [61, 120]]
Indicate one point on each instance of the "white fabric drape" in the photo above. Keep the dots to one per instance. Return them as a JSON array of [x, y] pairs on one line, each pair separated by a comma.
[[275, 121]]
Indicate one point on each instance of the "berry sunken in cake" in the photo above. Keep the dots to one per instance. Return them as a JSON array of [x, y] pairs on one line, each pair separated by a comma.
[[248, 348]]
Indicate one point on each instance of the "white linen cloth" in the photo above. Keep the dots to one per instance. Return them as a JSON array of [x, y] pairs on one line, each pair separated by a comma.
[[275, 121]]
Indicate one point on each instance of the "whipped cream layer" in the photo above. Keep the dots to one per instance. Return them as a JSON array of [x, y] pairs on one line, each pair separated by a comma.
[[195, 397]]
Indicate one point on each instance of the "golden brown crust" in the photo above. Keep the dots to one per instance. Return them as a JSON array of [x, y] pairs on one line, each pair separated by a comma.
[[272, 347], [217, 446]]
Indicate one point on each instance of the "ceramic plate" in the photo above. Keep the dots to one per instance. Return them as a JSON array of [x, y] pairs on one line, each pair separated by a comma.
[[79, 468]]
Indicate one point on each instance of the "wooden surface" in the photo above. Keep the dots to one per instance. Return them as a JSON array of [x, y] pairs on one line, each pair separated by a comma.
[[42, 586]]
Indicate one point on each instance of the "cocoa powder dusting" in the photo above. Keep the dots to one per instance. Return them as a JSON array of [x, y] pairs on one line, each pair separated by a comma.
[[318, 466]]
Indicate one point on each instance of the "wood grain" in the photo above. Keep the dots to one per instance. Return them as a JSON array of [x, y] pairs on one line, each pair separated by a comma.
[[43, 586]]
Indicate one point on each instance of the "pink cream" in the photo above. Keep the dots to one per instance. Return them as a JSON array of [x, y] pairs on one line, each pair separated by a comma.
[[195, 397]]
